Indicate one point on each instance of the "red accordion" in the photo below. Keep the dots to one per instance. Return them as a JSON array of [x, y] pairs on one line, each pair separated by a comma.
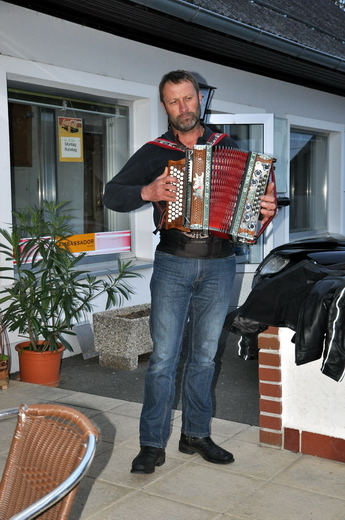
[[218, 192]]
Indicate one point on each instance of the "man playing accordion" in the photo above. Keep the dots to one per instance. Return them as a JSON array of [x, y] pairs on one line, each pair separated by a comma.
[[191, 282]]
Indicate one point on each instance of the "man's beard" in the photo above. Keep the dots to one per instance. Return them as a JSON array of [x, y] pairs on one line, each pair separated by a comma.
[[189, 124]]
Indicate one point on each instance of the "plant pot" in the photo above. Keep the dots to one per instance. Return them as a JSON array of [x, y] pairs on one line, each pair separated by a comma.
[[41, 368]]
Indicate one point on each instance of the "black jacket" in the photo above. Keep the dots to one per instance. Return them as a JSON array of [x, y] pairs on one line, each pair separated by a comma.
[[321, 327], [309, 299]]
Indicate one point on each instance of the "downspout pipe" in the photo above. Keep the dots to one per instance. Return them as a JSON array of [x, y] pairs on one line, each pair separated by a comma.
[[205, 18]]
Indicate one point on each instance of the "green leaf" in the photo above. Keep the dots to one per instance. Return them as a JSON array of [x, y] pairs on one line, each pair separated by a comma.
[[45, 299]]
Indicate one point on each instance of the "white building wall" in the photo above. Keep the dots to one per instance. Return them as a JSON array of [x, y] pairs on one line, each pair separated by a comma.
[[312, 402], [36, 49]]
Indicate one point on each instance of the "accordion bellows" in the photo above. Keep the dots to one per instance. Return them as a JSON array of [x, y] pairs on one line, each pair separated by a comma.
[[218, 192]]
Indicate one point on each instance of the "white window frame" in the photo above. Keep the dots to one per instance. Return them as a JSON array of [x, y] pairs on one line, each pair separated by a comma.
[[335, 181], [144, 126], [267, 120]]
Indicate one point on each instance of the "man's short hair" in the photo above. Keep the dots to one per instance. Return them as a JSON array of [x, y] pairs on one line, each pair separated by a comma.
[[177, 76]]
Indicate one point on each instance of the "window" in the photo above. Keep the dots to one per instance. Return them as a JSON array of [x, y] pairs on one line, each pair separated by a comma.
[[65, 149], [249, 135], [308, 181]]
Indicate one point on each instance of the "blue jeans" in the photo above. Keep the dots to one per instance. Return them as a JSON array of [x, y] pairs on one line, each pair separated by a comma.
[[182, 289]]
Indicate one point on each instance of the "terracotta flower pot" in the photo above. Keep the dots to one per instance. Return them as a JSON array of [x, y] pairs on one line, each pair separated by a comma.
[[41, 368]]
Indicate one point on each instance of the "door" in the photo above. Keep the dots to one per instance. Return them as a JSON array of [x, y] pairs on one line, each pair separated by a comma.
[[254, 132]]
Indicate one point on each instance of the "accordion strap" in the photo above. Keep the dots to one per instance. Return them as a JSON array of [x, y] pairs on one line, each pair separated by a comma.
[[165, 143], [215, 138]]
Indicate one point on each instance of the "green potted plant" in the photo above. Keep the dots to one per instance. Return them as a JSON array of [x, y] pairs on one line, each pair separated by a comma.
[[46, 292]]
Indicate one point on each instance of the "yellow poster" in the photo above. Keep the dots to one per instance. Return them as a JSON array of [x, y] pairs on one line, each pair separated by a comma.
[[81, 243], [70, 139]]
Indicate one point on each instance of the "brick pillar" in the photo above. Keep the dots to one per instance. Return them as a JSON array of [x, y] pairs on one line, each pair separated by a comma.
[[270, 388]]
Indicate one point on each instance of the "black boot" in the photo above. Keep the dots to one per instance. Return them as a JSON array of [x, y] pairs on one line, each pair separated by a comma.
[[148, 458], [206, 448]]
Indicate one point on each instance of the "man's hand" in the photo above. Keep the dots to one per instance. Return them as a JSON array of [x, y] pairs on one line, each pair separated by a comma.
[[268, 205], [160, 189]]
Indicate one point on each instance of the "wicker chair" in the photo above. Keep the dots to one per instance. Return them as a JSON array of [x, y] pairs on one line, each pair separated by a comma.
[[51, 450]]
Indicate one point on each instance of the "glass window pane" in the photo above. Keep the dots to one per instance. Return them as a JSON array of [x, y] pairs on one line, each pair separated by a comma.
[[64, 150], [308, 181]]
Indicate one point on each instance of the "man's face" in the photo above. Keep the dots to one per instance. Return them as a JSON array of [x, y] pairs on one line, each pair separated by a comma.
[[182, 105]]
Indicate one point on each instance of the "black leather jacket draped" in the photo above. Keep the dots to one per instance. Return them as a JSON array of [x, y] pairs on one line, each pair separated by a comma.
[[309, 299]]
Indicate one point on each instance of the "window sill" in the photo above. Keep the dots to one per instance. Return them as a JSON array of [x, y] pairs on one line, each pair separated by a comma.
[[109, 267]]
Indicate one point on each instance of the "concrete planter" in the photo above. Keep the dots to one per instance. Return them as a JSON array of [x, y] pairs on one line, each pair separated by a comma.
[[121, 335]]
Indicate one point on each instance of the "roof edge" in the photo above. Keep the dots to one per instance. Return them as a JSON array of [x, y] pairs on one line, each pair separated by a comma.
[[198, 15]]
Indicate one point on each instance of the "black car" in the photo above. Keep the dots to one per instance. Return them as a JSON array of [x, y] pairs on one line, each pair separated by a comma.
[[323, 250]]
